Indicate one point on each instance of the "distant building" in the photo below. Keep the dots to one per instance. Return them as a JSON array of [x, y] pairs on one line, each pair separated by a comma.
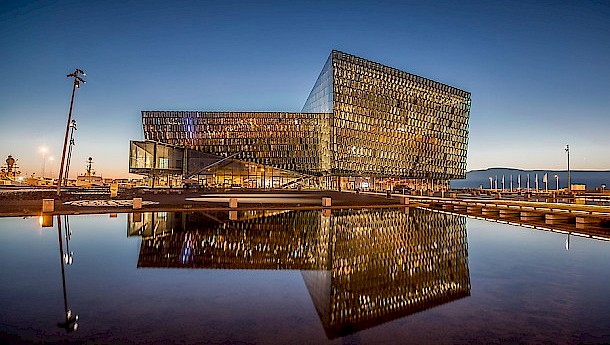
[[363, 124]]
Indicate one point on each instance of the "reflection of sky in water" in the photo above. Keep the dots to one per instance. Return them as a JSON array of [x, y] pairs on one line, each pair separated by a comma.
[[524, 287]]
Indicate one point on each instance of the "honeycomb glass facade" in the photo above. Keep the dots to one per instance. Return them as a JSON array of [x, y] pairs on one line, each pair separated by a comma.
[[361, 267], [387, 122], [361, 119], [291, 141]]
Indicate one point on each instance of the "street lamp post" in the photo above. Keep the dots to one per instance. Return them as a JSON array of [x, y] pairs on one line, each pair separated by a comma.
[[72, 129], [569, 182], [77, 81], [557, 182]]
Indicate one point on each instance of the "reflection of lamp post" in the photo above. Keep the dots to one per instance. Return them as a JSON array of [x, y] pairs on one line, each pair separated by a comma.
[[70, 323], [77, 81], [491, 182], [557, 182]]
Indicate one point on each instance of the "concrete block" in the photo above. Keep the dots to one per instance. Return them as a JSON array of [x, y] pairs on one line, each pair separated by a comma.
[[473, 209], [404, 200], [326, 202], [232, 202], [531, 214], [137, 203], [48, 205], [505, 213], [555, 218], [489, 210], [588, 220]]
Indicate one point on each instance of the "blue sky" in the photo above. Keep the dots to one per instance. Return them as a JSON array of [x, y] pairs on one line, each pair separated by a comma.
[[539, 72]]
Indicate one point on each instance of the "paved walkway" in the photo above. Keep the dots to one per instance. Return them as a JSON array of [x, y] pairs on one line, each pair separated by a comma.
[[179, 200]]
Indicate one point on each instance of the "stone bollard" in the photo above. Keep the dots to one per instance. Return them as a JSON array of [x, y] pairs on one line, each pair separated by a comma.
[[137, 203], [48, 205], [326, 202], [404, 201], [232, 202]]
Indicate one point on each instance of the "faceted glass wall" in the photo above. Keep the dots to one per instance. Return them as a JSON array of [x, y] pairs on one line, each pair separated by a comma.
[[148, 156], [320, 98], [290, 141], [387, 122]]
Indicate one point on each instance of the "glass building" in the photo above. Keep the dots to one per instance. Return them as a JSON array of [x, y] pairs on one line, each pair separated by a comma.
[[363, 122]]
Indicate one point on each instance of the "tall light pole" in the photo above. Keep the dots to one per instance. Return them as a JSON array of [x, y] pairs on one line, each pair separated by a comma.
[[72, 129], [569, 182], [77, 81]]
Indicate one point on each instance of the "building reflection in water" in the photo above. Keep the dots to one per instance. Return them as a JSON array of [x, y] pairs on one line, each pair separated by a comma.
[[362, 267]]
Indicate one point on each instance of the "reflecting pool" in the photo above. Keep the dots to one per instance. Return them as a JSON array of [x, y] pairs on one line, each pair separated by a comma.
[[340, 276]]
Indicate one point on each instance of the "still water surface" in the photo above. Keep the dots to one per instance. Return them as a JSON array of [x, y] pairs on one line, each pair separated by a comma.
[[346, 276]]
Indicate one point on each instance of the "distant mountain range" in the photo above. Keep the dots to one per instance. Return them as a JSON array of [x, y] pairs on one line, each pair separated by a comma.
[[476, 178]]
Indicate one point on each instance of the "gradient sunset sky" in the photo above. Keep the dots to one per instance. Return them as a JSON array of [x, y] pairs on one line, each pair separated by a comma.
[[539, 72]]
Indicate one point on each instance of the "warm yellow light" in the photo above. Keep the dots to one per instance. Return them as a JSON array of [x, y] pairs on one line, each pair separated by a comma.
[[40, 220]]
